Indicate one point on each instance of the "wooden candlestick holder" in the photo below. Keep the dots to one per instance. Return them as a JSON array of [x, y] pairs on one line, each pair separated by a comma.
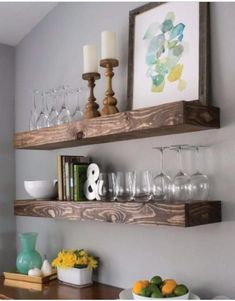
[[109, 101], [91, 109]]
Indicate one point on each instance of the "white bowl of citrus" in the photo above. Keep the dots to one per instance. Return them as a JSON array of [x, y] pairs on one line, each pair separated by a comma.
[[158, 288]]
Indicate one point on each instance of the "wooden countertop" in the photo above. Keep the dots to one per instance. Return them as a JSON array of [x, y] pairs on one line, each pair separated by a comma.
[[58, 290]]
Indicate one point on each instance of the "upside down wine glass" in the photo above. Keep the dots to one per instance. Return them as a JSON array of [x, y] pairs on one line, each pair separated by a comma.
[[52, 107], [199, 181], [42, 120], [34, 113], [181, 188], [162, 182], [77, 113], [64, 114]]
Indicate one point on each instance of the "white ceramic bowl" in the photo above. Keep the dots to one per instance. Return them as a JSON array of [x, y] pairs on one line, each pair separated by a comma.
[[41, 189], [183, 297]]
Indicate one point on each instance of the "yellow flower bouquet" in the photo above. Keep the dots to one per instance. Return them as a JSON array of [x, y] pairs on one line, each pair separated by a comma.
[[75, 259]]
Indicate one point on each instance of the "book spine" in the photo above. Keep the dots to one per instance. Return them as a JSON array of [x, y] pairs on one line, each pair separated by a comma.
[[71, 176], [82, 176], [76, 182], [60, 178], [63, 177], [67, 181]]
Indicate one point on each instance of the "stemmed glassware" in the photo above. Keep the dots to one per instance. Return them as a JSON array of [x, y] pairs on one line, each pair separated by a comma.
[[79, 94], [199, 181], [52, 107], [42, 120], [64, 114], [56, 106], [34, 113], [181, 186], [162, 182]]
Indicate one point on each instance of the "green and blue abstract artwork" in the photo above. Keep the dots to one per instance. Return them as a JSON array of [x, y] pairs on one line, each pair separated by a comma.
[[165, 49]]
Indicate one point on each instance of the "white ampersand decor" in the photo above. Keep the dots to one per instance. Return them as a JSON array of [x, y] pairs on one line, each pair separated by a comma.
[[90, 186]]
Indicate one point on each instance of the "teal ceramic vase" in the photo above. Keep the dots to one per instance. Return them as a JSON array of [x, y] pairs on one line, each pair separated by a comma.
[[28, 257]]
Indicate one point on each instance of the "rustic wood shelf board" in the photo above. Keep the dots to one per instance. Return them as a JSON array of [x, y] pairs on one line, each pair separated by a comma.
[[166, 119], [152, 213]]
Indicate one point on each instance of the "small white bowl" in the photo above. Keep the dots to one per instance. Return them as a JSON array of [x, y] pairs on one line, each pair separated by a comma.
[[41, 189], [183, 297]]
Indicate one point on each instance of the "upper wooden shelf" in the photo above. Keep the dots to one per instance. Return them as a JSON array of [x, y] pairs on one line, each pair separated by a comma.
[[166, 119], [183, 214]]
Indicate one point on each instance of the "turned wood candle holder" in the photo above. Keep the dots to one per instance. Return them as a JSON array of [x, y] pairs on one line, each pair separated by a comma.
[[109, 101], [91, 109]]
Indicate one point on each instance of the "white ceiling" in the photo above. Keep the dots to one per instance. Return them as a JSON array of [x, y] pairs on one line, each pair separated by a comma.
[[17, 19]]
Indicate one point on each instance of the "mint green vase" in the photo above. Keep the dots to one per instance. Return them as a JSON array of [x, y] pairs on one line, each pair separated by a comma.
[[28, 257]]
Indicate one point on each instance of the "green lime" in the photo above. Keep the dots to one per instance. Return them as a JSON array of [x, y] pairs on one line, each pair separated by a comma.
[[156, 280], [156, 295], [180, 290], [161, 285], [153, 288], [145, 292]]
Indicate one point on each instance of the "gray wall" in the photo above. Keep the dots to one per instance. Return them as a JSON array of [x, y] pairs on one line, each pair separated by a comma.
[[7, 172], [202, 257]]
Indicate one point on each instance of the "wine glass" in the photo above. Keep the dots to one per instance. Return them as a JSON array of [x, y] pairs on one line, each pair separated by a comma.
[[79, 96], [181, 186], [162, 184], [64, 114], [52, 107], [199, 181], [42, 120], [34, 113]]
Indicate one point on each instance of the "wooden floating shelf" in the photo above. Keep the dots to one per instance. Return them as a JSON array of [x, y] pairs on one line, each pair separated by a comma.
[[183, 214], [166, 119]]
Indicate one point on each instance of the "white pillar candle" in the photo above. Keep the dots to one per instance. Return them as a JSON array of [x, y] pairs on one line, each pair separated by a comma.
[[90, 62], [108, 45]]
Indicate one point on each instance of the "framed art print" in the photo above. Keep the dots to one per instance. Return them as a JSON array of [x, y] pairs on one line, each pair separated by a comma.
[[168, 54]]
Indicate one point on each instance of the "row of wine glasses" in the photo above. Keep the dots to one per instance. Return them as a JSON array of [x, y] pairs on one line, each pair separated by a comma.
[[182, 186], [143, 186], [56, 106]]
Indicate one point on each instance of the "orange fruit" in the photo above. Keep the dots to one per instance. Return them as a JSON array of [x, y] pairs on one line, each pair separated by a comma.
[[146, 283], [138, 285], [168, 286]]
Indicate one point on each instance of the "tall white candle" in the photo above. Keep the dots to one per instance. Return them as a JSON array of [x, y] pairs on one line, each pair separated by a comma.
[[90, 62], [108, 45]]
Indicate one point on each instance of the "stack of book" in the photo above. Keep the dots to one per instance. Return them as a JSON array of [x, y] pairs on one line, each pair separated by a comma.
[[71, 177]]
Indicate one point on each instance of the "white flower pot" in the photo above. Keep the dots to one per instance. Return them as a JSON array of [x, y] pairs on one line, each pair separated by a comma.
[[75, 276]]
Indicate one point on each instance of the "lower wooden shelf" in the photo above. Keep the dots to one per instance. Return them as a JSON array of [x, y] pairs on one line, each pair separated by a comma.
[[183, 214]]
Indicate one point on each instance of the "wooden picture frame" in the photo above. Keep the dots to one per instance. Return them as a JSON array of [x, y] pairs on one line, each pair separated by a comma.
[[203, 82]]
